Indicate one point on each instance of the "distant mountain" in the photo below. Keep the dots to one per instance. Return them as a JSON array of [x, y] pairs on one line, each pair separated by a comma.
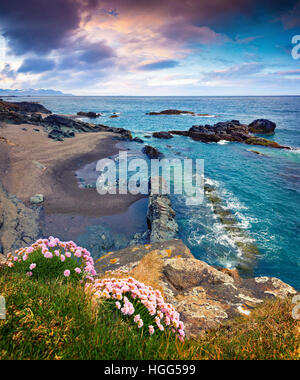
[[32, 92]]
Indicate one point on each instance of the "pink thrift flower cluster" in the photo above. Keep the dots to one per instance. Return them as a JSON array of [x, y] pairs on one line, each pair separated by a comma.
[[51, 248], [128, 295]]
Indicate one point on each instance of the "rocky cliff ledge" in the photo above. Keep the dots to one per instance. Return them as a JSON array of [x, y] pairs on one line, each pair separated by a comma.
[[18, 223], [205, 296]]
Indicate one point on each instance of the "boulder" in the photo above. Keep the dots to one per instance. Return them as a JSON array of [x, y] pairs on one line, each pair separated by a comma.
[[152, 152], [262, 126], [12, 117], [138, 140], [162, 135], [90, 115], [37, 199]]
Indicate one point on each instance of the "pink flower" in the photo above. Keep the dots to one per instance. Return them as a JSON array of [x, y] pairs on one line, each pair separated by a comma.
[[140, 323], [151, 330], [136, 318], [29, 274], [62, 258], [67, 273], [78, 270], [56, 253], [48, 255], [25, 257], [32, 266], [68, 254], [118, 305]]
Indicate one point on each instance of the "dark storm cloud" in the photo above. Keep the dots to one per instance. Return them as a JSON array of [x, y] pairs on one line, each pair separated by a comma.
[[83, 55], [39, 25], [160, 65], [36, 65]]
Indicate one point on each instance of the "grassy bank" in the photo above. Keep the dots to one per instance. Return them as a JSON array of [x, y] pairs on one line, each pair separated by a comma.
[[51, 320]]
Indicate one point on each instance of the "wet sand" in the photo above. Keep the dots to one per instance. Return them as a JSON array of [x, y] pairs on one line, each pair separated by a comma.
[[34, 164]]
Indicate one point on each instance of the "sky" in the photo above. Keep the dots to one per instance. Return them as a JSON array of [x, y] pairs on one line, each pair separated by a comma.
[[151, 48]]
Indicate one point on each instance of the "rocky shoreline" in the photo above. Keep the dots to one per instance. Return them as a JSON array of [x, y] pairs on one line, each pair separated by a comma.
[[205, 296]]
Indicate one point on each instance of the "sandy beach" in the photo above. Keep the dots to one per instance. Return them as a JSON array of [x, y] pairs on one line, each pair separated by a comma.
[[31, 163]]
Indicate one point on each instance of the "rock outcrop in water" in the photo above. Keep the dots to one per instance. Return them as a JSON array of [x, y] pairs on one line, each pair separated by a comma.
[[205, 296], [161, 219], [249, 252], [177, 112], [162, 135], [152, 152], [229, 131], [262, 126], [90, 115]]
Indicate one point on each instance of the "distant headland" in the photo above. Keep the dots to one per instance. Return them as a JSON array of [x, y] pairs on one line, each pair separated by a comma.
[[32, 92]]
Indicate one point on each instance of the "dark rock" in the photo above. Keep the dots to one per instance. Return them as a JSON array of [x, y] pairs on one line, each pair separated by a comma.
[[170, 112], [152, 152], [25, 107], [35, 118], [12, 117], [232, 131], [262, 126], [161, 219], [36, 130], [162, 135], [91, 115], [138, 140]]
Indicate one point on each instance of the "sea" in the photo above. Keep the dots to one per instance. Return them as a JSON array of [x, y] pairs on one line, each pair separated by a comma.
[[261, 191]]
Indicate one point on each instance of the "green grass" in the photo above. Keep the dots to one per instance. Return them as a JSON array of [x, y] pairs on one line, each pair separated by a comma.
[[55, 320]]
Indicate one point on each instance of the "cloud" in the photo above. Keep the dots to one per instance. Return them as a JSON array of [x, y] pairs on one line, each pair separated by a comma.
[[8, 72], [82, 55], [160, 65], [291, 19], [243, 70], [36, 65], [191, 33], [40, 26]]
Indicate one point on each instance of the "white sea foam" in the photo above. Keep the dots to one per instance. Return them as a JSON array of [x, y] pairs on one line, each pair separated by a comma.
[[223, 142]]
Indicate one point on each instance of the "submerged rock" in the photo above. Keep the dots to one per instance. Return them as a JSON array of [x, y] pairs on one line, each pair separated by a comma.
[[152, 152], [138, 140], [162, 135]]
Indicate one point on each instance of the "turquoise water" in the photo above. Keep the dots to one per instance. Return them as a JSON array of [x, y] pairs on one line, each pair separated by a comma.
[[262, 191]]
